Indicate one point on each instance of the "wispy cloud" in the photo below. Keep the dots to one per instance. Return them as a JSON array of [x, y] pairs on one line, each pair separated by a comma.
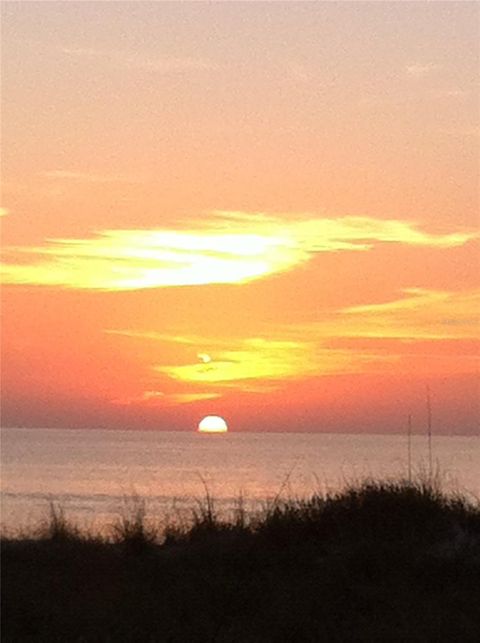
[[420, 70], [450, 93], [250, 359], [228, 247], [348, 340], [298, 72], [252, 364], [159, 398], [419, 314], [84, 177], [464, 132], [124, 59]]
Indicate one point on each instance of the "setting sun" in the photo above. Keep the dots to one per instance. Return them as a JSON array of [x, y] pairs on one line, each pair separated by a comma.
[[213, 424]]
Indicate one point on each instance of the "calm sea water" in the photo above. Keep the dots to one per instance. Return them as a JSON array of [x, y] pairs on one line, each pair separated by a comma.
[[91, 473]]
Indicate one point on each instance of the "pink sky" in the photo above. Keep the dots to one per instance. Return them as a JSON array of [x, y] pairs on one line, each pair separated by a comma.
[[265, 211]]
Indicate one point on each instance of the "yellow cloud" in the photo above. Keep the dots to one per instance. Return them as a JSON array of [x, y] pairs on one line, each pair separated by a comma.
[[132, 259], [229, 247], [257, 364], [260, 365], [421, 314], [188, 398], [158, 398], [253, 358]]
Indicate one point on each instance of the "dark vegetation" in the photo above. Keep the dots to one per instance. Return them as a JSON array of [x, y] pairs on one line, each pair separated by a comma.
[[377, 562]]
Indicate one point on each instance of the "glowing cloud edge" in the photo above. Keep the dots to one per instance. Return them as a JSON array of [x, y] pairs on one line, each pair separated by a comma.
[[230, 248]]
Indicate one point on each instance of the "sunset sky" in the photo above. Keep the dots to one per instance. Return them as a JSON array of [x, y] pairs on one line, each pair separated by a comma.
[[264, 211]]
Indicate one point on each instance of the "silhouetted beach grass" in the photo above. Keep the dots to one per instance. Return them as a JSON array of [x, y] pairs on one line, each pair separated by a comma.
[[378, 561]]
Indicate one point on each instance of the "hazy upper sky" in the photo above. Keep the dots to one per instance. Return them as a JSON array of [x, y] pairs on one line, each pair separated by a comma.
[[267, 211]]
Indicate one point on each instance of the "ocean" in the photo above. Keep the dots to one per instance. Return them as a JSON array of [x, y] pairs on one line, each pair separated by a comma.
[[94, 474]]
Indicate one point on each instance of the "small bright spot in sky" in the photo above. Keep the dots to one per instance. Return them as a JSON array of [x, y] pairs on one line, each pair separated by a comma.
[[213, 424], [204, 357]]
